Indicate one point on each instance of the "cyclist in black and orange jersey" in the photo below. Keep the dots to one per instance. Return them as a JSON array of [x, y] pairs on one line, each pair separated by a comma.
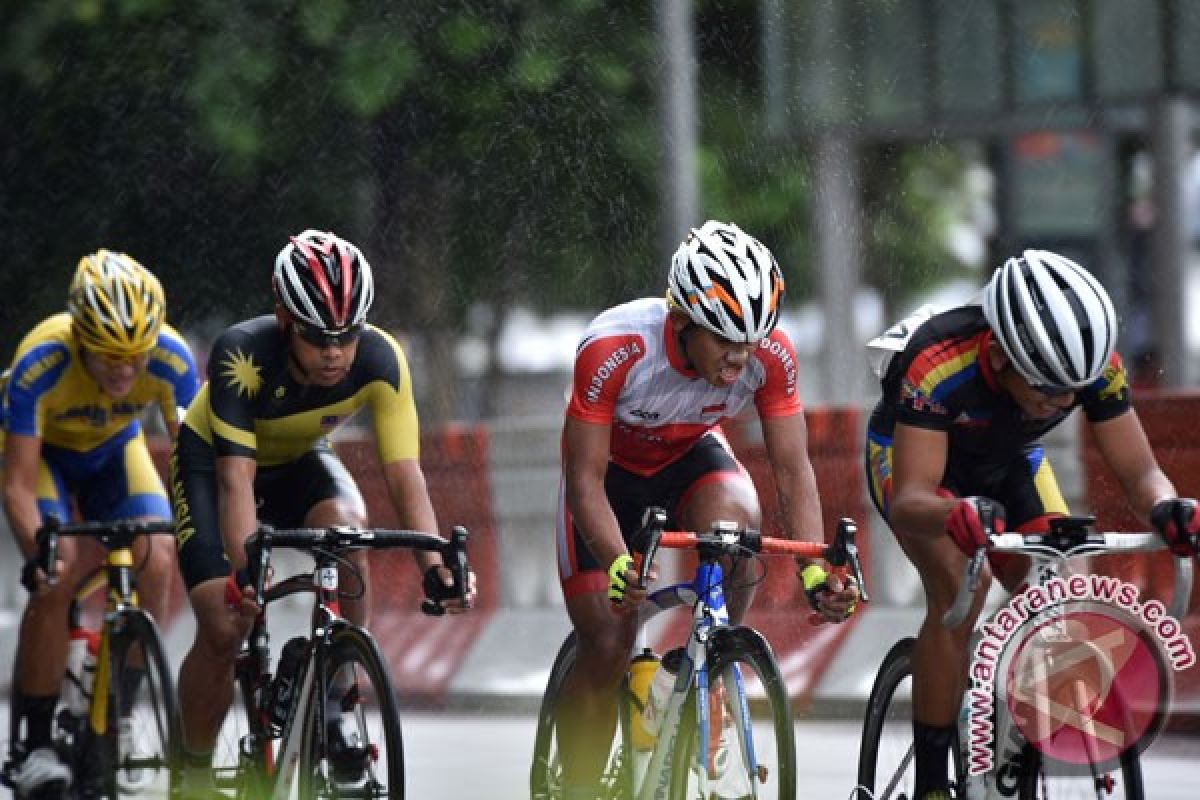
[[76, 388], [654, 380], [253, 447], [967, 395]]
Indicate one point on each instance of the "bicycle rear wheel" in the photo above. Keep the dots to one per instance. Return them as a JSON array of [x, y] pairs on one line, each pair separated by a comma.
[[359, 753], [545, 775], [886, 769], [756, 754], [1043, 779], [143, 723]]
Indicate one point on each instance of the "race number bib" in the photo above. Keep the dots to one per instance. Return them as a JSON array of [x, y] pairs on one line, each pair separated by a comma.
[[881, 349]]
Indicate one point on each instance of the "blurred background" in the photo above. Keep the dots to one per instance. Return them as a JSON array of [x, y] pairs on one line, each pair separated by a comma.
[[512, 167]]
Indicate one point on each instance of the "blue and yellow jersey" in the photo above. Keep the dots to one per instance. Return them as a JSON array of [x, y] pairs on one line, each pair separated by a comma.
[[942, 381], [252, 406], [51, 395]]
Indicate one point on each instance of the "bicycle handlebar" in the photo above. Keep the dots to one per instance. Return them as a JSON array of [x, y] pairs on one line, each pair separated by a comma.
[[727, 538], [1067, 537], [113, 533], [341, 538]]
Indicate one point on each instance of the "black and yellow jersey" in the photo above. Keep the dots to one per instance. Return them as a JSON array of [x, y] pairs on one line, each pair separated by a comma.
[[252, 406], [941, 380], [49, 393]]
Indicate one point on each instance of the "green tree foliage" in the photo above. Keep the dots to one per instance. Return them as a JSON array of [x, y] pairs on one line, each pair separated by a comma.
[[480, 152]]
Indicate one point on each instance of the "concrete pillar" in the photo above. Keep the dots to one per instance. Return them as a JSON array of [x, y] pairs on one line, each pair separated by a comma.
[[677, 106], [1170, 126]]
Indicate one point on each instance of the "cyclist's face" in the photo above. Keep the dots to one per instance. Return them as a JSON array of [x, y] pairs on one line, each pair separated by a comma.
[[1034, 404], [115, 374], [321, 365], [718, 360]]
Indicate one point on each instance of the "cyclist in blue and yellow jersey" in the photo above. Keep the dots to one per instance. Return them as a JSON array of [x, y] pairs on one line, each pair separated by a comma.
[[76, 388], [254, 447], [967, 395]]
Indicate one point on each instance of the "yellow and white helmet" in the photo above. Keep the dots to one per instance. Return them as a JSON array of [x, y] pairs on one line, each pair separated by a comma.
[[117, 306], [727, 281]]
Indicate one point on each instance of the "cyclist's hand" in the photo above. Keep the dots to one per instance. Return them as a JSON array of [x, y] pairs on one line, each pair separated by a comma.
[[833, 597], [966, 522], [240, 600], [438, 583], [34, 578], [623, 589], [1176, 519]]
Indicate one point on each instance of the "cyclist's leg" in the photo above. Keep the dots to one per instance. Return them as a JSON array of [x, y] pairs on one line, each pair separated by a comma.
[[139, 494], [586, 710], [206, 674], [940, 656], [40, 661], [330, 497], [720, 489]]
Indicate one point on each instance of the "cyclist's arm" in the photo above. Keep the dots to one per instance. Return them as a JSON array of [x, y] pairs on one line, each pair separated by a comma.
[[585, 463], [1123, 445], [21, 457], [786, 439], [235, 505], [919, 458], [410, 498]]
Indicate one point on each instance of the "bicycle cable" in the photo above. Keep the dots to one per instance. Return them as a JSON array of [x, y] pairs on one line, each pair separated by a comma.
[[351, 568]]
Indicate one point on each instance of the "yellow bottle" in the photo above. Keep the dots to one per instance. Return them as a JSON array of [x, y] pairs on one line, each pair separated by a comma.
[[641, 672]]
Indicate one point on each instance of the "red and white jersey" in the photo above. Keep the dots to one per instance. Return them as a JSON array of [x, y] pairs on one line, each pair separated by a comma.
[[630, 373]]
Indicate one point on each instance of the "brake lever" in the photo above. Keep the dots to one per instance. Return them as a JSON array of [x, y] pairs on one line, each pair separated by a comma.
[[844, 553], [47, 538], [645, 542], [454, 558]]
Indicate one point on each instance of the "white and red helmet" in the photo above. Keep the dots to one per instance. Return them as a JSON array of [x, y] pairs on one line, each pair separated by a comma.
[[324, 282], [727, 281]]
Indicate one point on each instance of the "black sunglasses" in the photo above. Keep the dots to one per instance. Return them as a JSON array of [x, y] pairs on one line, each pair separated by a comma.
[[319, 338], [1053, 391]]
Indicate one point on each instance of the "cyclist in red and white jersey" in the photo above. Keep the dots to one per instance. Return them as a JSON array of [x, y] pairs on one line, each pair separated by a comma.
[[653, 381]]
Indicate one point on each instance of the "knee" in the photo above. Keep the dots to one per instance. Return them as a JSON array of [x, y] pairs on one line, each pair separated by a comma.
[[160, 559], [604, 659], [218, 642]]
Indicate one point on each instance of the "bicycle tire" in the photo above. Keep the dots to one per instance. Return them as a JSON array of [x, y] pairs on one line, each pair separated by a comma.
[[370, 755], [1040, 780], [236, 772], [143, 697], [732, 653], [885, 757], [545, 773]]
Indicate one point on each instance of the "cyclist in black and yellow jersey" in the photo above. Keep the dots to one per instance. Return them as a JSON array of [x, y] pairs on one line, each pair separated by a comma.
[[76, 388], [967, 395], [254, 447]]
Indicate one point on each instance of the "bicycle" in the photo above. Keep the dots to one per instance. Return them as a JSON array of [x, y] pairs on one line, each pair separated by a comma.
[[327, 723], [1019, 768], [735, 662], [125, 743]]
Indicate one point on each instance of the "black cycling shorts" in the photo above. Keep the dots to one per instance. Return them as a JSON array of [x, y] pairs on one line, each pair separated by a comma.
[[630, 494], [283, 494]]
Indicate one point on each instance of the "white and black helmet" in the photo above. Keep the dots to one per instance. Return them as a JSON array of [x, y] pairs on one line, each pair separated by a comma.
[[1053, 319], [324, 281], [727, 281]]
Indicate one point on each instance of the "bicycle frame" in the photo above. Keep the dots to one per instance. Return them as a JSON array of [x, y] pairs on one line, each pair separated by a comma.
[[707, 597], [253, 665]]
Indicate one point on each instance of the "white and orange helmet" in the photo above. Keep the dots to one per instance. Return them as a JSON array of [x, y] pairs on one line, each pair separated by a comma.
[[727, 281]]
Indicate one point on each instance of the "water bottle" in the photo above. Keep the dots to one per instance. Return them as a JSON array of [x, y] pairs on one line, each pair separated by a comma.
[[283, 687], [642, 670], [661, 687], [81, 671]]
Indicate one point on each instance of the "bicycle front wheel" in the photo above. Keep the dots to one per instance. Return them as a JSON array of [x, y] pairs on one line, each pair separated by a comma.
[[1044, 779], [545, 775], [751, 749], [359, 753], [143, 729], [886, 768]]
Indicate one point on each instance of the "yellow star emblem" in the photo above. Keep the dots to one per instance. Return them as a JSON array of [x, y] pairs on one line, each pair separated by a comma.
[[242, 373]]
